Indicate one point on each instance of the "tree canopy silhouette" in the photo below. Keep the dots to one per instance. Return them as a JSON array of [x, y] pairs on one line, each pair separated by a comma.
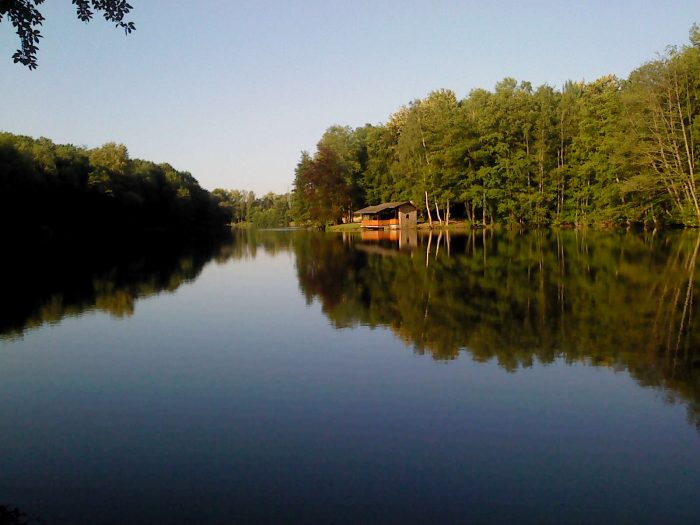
[[25, 17]]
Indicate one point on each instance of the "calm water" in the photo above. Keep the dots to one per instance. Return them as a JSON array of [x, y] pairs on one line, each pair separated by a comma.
[[297, 377]]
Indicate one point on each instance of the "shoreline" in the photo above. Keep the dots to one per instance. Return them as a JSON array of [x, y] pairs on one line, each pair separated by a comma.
[[465, 226]]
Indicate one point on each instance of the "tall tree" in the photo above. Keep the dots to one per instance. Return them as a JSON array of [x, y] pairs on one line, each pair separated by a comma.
[[663, 103]]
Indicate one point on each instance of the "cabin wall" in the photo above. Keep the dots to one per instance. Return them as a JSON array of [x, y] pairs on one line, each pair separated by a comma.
[[380, 223], [408, 216]]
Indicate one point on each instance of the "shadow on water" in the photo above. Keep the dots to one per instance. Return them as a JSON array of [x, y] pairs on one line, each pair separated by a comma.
[[621, 300], [12, 516]]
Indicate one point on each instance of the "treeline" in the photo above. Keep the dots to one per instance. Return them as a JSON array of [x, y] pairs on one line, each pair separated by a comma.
[[61, 188], [245, 209], [611, 150]]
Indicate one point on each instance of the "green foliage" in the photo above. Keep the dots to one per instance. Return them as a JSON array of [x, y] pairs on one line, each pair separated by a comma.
[[598, 152], [269, 211], [25, 17], [324, 184], [63, 188]]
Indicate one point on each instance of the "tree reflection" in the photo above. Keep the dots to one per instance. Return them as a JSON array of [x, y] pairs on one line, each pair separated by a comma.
[[44, 283], [621, 300]]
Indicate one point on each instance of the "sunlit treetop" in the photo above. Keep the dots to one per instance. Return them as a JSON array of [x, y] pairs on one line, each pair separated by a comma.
[[25, 17]]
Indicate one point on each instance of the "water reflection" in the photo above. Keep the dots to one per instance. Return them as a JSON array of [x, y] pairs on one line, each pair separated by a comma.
[[232, 402], [44, 283], [374, 240], [622, 300], [626, 301]]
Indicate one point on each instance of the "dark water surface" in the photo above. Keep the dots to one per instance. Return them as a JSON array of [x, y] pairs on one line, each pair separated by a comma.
[[294, 377]]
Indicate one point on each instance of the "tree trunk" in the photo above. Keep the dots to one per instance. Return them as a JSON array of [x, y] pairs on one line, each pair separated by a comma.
[[437, 211], [427, 207]]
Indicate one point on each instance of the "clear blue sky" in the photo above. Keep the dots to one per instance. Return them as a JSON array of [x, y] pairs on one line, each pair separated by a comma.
[[233, 91]]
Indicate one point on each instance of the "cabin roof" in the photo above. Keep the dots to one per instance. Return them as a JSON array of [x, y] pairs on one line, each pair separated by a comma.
[[382, 207]]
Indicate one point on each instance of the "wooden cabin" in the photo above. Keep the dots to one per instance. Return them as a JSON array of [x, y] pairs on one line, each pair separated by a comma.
[[389, 215]]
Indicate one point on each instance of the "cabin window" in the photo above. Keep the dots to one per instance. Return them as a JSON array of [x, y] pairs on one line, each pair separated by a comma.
[[407, 215]]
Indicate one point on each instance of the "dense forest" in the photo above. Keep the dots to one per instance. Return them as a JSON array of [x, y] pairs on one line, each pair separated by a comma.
[[602, 152], [59, 188], [607, 151]]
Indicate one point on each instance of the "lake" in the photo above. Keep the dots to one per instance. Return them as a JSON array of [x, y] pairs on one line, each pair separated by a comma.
[[298, 377]]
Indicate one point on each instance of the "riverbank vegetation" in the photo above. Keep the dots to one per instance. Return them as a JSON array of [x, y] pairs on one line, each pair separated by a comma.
[[61, 188], [608, 151], [246, 209]]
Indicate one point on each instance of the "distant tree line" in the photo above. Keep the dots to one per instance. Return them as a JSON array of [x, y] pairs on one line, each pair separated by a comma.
[[245, 209], [610, 150], [66, 188]]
